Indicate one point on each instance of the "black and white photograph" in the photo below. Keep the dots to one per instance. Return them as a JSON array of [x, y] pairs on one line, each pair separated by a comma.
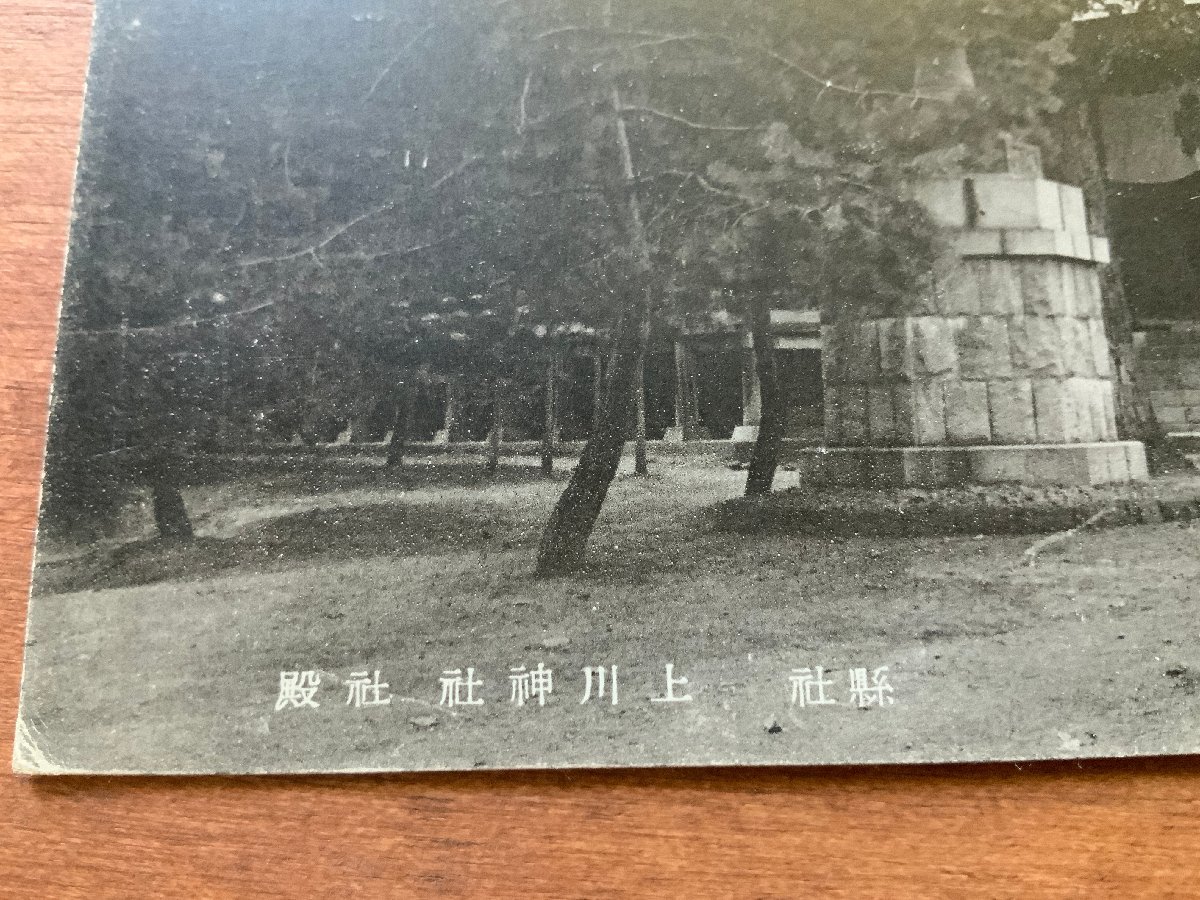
[[512, 384]]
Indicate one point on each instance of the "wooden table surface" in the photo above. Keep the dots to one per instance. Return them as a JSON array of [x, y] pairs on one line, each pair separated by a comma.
[[1094, 829]]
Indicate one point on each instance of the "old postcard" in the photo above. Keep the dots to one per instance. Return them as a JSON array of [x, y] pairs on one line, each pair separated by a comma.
[[446, 384]]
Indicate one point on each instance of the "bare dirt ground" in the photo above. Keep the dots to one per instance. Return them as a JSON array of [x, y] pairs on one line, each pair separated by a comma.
[[172, 661]]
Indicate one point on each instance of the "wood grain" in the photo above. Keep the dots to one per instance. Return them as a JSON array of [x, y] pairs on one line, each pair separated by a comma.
[[1106, 828]]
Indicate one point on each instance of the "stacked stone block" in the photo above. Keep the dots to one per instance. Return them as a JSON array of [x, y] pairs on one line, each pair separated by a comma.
[[1006, 347], [1168, 363], [1035, 369]]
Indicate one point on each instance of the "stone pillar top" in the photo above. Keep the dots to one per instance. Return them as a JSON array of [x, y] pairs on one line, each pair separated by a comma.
[[1012, 215]]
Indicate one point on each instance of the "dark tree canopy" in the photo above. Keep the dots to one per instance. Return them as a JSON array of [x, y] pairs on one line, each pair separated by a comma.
[[284, 207]]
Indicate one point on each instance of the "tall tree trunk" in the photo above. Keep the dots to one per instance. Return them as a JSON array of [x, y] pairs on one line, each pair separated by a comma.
[[496, 435], [597, 390], [398, 445], [565, 537], [641, 464], [550, 424], [773, 419], [170, 512], [687, 398]]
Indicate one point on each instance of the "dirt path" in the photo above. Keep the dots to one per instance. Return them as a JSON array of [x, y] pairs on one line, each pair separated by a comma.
[[1093, 651]]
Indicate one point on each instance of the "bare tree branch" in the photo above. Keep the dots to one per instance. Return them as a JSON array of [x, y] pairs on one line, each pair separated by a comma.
[[371, 255], [399, 56], [669, 205], [662, 114], [287, 166], [522, 116], [313, 250], [455, 172], [595, 29], [535, 121], [749, 212], [657, 39], [171, 326], [708, 185]]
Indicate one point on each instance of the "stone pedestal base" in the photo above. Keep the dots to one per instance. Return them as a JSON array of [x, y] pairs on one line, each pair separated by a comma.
[[1069, 464], [745, 434], [678, 434]]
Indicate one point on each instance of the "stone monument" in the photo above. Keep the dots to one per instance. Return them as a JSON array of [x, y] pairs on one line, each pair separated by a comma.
[[1000, 371]]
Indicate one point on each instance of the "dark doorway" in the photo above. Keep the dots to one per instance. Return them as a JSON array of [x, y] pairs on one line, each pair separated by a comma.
[[720, 388], [1156, 233], [804, 387], [576, 397], [660, 394]]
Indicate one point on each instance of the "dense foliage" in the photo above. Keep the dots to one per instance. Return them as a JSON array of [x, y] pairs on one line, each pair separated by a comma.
[[288, 209]]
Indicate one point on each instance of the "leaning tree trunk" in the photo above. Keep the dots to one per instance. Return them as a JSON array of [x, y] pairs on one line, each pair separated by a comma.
[[401, 423], [773, 418], [496, 435], [170, 512], [566, 535]]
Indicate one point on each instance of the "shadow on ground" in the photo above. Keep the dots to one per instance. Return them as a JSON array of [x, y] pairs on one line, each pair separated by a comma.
[[679, 525], [338, 533], [279, 476], [977, 509]]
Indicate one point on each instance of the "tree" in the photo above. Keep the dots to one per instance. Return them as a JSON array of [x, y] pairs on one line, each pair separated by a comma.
[[467, 184], [843, 77]]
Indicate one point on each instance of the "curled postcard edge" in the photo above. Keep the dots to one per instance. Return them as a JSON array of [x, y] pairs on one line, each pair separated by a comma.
[[29, 758]]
